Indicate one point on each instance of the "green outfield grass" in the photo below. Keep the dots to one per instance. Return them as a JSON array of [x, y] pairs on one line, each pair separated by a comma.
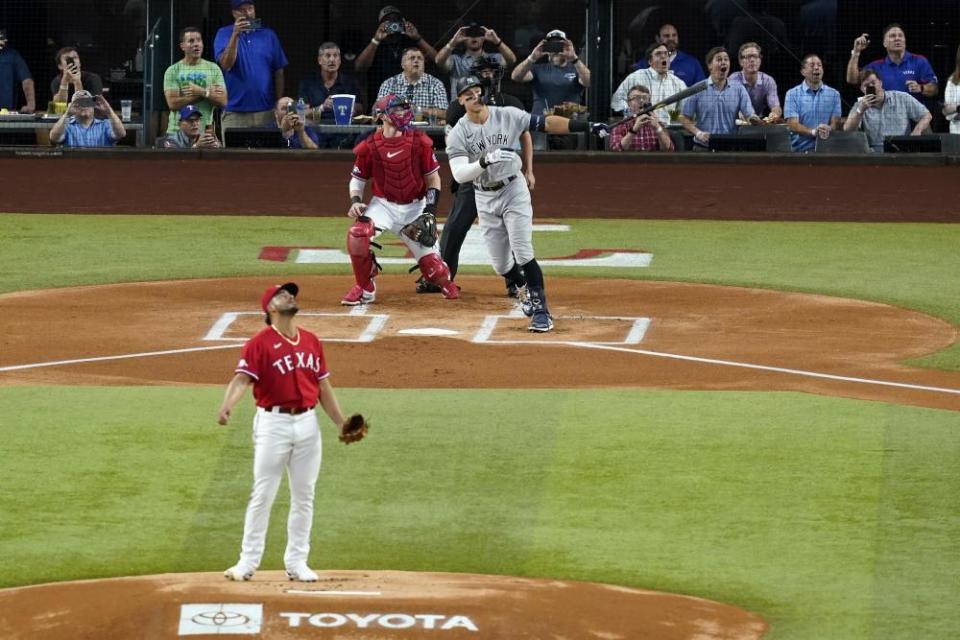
[[832, 518], [909, 265]]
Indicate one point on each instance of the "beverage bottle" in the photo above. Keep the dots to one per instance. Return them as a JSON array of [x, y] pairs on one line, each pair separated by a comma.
[[301, 110], [418, 114], [138, 60]]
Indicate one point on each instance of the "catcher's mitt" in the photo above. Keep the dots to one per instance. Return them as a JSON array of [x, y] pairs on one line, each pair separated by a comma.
[[423, 229], [354, 429]]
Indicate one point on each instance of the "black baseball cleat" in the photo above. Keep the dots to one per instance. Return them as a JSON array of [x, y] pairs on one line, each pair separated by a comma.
[[423, 286]]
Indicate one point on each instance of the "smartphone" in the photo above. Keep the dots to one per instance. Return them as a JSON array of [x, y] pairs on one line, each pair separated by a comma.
[[255, 24], [553, 46], [474, 31], [871, 90]]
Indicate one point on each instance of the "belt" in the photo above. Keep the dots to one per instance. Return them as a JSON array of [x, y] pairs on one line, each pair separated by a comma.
[[294, 411], [496, 186]]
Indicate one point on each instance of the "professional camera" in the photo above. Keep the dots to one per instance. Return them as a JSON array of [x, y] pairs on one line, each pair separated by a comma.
[[395, 26]]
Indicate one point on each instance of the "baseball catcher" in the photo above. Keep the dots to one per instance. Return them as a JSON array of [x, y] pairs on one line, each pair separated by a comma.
[[354, 429], [400, 162]]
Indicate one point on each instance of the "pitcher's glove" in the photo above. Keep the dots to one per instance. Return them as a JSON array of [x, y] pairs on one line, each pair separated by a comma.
[[353, 429], [423, 229]]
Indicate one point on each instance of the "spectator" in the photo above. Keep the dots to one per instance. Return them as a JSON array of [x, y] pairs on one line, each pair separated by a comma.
[[562, 79], [420, 89], [79, 128], [317, 92], [813, 108], [14, 71], [951, 97], [683, 65], [328, 81], [72, 77], [643, 133], [883, 113], [384, 53], [473, 37], [191, 132], [661, 82], [193, 81], [761, 88], [252, 61], [715, 109], [900, 70], [296, 133]]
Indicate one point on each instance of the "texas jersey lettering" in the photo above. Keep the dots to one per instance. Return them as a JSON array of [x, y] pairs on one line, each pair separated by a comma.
[[287, 371]]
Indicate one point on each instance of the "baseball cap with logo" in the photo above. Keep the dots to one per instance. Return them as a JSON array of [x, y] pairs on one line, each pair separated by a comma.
[[466, 82], [388, 10], [289, 287], [556, 34], [189, 111]]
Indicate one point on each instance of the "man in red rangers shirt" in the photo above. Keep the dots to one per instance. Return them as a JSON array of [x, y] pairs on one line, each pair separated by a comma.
[[406, 186], [286, 367]]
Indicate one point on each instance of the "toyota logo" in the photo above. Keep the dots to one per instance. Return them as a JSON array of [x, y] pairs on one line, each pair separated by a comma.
[[220, 618]]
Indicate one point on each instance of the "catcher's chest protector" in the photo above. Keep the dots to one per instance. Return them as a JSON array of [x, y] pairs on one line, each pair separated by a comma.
[[396, 166]]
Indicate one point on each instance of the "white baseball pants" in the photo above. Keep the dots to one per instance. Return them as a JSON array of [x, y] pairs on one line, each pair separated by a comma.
[[506, 223], [393, 216], [282, 441]]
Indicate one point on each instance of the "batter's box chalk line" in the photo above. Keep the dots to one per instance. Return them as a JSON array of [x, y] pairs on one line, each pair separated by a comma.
[[634, 335], [368, 334]]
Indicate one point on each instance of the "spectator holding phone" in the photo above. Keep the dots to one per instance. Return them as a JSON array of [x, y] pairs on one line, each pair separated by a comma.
[[191, 132], [72, 77], [882, 113], [473, 37], [561, 79], [384, 53], [252, 61], [79, 128], [645, 132], [193, 81], [14, 70], [296, 133]]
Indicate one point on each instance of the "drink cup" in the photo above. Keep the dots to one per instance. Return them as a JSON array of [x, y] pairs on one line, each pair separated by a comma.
[[126, 110], [342, 108]]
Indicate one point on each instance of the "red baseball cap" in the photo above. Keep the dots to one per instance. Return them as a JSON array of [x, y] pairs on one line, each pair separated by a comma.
[[289, 287]]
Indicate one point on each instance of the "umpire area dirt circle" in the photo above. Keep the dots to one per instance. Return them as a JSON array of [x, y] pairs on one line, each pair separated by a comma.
[[372, 605], [609, 333]]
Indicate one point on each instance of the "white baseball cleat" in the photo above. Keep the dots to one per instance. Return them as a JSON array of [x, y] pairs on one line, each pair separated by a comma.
[[302, 573], [238, 573]]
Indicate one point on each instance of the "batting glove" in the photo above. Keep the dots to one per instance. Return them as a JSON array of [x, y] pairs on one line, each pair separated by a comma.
[[497, 155]]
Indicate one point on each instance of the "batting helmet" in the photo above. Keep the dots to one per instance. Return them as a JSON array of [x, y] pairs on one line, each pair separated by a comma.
[[397, 109], [466, 82]]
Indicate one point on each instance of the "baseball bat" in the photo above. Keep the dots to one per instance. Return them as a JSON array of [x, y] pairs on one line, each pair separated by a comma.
[[677, 97]]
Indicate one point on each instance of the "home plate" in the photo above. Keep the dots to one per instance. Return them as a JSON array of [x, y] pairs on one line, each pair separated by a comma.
[[428, 331]]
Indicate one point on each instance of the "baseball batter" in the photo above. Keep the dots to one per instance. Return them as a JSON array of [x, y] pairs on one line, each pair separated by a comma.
[[406, 189], [288, 371], [483, 148]]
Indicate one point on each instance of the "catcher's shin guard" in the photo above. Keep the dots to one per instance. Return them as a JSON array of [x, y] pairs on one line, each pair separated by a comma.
[[435, 271], [364, 262]]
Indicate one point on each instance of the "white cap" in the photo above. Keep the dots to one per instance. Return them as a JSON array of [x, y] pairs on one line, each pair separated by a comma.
[[556, 33]]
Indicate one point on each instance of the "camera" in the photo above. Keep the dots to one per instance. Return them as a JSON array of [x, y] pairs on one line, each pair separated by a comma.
[[553, 46], [395, 26], [291, 108], [871, 90], [474, 30]]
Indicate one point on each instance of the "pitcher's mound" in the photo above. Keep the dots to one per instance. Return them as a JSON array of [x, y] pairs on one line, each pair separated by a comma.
[[364, 604]]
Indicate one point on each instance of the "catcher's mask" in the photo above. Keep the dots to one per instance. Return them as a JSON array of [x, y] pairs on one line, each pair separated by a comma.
[[490, 81], [395, 108]]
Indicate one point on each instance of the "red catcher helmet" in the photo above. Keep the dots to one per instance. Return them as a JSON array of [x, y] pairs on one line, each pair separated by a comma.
[[397, 109]]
